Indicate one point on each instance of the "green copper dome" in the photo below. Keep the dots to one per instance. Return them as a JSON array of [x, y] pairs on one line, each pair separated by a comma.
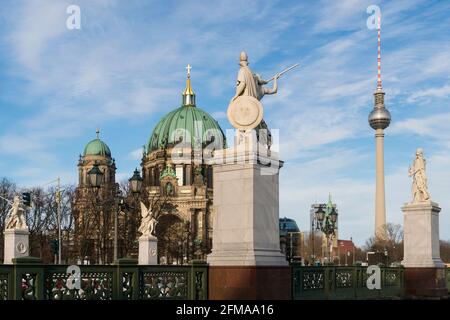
[[187, 124], [97, 148]]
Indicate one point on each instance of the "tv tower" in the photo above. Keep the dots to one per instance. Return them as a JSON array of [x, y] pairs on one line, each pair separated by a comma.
[[379, 119]]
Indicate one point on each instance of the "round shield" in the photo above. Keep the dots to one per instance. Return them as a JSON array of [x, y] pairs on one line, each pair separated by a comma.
[[245, 112]]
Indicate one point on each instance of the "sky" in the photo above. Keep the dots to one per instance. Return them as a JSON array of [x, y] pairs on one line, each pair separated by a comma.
[[125, 68]]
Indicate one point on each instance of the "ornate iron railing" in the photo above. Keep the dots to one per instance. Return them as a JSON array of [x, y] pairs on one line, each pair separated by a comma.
[[28, 279], [6, 274], [447, 278], [331, 282]]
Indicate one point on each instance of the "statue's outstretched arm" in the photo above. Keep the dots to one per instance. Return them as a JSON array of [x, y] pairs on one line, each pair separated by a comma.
[[275, 86], [261, 81]]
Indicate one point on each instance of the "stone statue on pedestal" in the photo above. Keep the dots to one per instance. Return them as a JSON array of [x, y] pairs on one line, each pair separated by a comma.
[[148, 222], [148, 243], [16, 233], [417, 171], [424, 269], [16, 216]]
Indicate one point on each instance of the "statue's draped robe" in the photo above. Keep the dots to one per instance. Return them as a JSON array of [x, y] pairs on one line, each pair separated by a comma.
[[254, 89], [245, 75], [420, 189]]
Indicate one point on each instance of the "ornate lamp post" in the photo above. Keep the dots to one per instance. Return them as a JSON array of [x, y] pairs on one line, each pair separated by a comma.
[[135, 182], [119, 203], [326, 222], [95, 176]]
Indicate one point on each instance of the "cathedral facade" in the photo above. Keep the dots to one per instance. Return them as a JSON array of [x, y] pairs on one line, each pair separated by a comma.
[[176, 184]]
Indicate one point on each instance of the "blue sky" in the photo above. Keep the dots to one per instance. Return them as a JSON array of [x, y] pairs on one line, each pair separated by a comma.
[[126, 68]]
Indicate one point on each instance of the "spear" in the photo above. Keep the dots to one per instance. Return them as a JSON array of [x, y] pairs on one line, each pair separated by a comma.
[[8, 201], [284, 71]]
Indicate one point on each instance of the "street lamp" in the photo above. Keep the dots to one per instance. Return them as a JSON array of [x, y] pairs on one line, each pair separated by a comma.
[[320, 214], [95, 176], [119, 203], [135, 182], [333, 216], [326, 222]]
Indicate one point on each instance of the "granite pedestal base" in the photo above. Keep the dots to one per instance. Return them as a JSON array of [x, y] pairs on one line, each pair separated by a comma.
[[425, 282], [249, 283]]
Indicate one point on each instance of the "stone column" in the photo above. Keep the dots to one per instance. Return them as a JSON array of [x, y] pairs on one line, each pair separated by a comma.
[[16, 244], [148, 250], [424, 269]]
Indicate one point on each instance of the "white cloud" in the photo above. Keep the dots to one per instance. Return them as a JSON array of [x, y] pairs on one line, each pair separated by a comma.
[[136, 154], [439, 92], [434, 126], [38, 23]]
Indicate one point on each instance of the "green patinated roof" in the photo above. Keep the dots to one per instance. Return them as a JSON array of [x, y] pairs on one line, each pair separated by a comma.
[[329, 206], [188, 122], [97, 148]]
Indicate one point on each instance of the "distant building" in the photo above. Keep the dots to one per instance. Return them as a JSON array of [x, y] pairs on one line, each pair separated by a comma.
[[345, 252], [291, 239]]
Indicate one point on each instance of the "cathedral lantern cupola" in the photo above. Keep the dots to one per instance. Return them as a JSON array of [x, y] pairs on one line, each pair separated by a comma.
[[188, 93]]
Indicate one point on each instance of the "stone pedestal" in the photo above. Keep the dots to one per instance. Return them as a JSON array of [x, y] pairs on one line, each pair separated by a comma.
[[424, 269], [16, 244], [249, 283], [246, 261], [421, 236], [148, 250], [246, 200]]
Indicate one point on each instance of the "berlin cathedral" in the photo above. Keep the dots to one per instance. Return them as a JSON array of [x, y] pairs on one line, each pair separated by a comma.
[[176, 184]]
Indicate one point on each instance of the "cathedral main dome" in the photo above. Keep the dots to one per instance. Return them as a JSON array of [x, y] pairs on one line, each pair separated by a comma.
[[186, 124]]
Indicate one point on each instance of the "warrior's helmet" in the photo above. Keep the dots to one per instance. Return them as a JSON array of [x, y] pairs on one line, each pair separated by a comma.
[[243, 56]]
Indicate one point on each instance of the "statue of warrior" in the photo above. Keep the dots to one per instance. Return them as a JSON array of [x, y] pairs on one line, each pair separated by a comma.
[[250, 84], [16, 216], [417, 171]]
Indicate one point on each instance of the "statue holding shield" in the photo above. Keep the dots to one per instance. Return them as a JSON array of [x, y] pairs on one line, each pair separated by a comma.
[[245, 111]]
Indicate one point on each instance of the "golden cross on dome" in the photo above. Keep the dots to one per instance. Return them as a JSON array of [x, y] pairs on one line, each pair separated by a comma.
[[189, 70]]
